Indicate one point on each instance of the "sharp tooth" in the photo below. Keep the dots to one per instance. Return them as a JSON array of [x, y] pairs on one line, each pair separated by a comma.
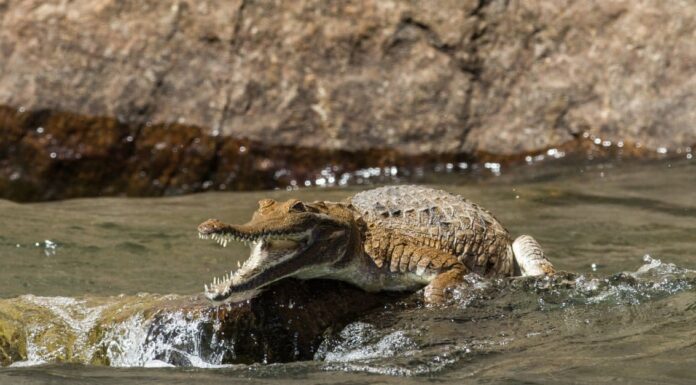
[[205, 287], [239, 264]]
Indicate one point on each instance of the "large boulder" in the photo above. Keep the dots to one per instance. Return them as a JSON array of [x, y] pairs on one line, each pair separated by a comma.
[[183, 95]]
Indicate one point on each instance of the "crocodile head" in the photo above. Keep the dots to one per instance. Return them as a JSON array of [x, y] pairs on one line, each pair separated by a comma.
[[286, 239]]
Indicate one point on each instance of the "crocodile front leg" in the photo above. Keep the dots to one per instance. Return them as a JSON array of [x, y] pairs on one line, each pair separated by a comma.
[[398, 256], [448, 269], [437, 291]]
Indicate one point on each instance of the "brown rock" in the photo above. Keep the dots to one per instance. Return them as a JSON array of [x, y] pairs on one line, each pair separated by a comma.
[[551, 70], [285, 323], [172, 90]]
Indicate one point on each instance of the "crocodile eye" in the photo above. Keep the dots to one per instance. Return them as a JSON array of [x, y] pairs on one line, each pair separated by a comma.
[[298, 207]]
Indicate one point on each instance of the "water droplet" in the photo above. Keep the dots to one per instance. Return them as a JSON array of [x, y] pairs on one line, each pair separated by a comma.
[[493, 167], [39, 130], [53, 155]]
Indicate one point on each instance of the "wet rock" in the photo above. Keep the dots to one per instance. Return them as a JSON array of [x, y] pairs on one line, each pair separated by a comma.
[[167, 97], [12, 345], [284, 323]]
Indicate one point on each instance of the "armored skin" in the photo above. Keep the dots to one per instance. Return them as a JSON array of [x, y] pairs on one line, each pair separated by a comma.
[[396, 238]]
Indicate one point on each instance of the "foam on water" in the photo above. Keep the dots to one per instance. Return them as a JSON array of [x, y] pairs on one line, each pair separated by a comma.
[[360, 341], [177, 341], [72, 313], [570, 302]]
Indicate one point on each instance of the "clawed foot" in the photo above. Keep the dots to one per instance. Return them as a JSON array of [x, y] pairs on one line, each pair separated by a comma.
[[440, 289]]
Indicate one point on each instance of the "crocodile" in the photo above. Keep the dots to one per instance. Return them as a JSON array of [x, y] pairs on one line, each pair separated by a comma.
[[394, 238]]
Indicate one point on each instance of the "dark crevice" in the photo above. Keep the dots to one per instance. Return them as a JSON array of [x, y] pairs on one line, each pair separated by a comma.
[[214, 164], [478, 10], [206, 181], [432, 37], [180, 7], [471, 64], [238, 21], [210, 39]]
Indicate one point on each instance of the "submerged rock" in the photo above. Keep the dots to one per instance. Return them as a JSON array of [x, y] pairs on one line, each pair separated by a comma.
[[284, 323]]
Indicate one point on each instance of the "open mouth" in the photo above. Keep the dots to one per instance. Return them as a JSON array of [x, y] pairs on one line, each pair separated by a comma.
[[270, 252]]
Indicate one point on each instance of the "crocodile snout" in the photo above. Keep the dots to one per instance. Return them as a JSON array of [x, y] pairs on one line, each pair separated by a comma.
[[210, 226]]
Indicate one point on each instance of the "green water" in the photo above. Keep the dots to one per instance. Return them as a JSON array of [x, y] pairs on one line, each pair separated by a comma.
[[596, 220]]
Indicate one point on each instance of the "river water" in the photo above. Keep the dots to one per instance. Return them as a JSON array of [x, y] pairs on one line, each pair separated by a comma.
[[628, 232]]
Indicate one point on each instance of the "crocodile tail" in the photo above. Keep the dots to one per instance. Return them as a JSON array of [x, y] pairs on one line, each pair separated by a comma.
[[530, 257]]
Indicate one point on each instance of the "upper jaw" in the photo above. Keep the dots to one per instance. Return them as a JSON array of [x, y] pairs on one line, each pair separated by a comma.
[[224, 234]]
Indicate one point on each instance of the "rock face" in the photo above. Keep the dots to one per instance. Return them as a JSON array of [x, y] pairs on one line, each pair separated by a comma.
[[178, 91]]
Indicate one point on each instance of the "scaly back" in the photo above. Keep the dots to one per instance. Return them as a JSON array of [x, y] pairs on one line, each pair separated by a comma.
[[422, 216]]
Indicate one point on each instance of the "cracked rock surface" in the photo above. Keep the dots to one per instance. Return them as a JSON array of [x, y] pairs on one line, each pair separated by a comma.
[[130, 81]]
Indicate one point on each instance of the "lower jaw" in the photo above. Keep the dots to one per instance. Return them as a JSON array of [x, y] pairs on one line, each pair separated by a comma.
[[243, 288]]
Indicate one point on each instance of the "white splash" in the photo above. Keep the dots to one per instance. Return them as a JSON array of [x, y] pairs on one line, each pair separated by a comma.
[[75, 315]]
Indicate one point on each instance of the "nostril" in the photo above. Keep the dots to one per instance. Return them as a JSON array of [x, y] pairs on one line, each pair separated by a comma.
[[210, 225]]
